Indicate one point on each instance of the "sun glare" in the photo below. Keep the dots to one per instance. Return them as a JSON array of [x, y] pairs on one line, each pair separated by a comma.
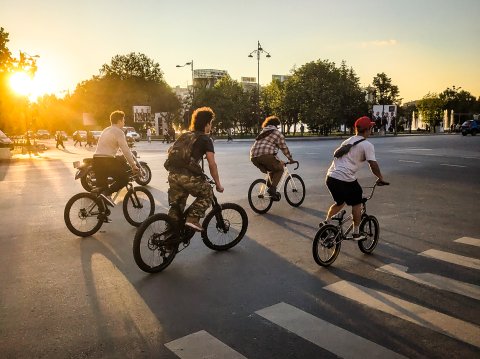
[[21, 83]]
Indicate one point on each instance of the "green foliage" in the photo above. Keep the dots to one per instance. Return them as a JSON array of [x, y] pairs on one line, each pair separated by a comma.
[[431, 109], [386, 92]]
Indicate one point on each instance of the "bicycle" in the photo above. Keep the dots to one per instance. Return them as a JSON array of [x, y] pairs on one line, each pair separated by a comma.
[[86, 212], [329, 238], [158, 239], [293, 187]]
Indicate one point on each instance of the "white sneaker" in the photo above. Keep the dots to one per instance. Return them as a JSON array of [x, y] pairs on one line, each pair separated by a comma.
[[358, 237]]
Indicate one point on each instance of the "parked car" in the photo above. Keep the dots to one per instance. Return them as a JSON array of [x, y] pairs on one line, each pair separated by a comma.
[[83, 135], [42, 135], [5, 142], [470, 127], [130, 132]]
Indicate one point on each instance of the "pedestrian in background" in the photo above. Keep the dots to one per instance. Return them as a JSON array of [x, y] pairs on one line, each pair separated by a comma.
[[59, 139], [78, 139], [149, 135]]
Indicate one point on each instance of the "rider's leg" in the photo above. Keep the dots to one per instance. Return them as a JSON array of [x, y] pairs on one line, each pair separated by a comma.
[[177, 197], [118, 168], [333, 210], [203, 193]]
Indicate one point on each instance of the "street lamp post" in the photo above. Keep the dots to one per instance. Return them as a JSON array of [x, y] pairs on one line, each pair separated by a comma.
[[191, 66], [258, 51]]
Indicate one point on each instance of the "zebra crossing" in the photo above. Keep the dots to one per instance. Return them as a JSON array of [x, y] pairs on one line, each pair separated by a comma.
[[346, 344]]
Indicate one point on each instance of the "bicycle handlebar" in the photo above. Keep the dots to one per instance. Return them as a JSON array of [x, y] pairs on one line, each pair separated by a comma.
[[292, 163]]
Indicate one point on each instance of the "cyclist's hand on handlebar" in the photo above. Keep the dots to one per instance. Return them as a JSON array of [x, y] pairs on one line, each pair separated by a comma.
[[382, 182], [219, 188]]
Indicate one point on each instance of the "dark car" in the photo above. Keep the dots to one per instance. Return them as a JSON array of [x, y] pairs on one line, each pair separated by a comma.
[[470, 127], [42, 134]]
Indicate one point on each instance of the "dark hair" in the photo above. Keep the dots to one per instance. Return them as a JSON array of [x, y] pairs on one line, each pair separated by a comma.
[[200, 118], [116, 116], [271, 121]]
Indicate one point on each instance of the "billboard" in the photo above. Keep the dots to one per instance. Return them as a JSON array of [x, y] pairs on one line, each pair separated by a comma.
[[142, 114]]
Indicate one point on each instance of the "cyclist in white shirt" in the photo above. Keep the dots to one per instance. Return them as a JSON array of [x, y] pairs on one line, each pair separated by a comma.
[[105, 164], [341, 180]]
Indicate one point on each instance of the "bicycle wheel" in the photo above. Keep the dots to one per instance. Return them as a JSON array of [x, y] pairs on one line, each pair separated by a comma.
[[326, 245], [84, 214], [224, 226], [371, 228], [258, 198], [138, 205], [294, 190], [154, 245]]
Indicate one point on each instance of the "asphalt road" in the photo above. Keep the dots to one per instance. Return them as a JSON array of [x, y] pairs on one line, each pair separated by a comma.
[[416, 296]]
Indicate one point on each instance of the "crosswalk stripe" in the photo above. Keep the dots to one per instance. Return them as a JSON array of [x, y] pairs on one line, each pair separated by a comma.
[[468, 240], [202, 345], [434, 280], [326, 335], [452, 258], [411, 312]]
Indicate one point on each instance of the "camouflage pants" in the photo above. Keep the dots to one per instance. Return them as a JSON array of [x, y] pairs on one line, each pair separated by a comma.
[[181, 186]]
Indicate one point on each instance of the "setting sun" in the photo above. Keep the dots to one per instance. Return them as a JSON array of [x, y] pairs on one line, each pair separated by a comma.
[[21, 83]]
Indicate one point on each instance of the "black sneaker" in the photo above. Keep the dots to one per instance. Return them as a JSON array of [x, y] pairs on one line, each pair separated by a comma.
[[108, 200]]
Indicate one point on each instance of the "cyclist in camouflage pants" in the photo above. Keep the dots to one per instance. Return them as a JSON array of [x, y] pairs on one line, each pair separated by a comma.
[[183, 182]]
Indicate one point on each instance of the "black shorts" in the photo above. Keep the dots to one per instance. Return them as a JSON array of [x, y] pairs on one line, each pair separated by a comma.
[[344, 192]]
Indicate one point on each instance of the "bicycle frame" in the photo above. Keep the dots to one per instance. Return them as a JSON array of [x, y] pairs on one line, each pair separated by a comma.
[[286, 174], [341, 220]]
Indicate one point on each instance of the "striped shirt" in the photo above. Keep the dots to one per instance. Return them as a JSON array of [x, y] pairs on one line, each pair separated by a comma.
[[270, 144]]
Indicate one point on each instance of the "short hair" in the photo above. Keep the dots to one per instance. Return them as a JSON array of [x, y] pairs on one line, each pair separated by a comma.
[[271, 121], [200, 118], [116, 116]]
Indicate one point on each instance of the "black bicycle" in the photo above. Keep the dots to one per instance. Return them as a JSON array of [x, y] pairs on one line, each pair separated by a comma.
[[159, 239], [329, 238], [86, 212], [293, 187]]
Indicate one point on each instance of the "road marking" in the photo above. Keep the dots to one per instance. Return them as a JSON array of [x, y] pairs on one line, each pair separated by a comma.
[[411, 312], [452, 258], [408, 161], [328, 336], [468, 240], [202, 345], [433, 280], [417, 149], [449, 165]]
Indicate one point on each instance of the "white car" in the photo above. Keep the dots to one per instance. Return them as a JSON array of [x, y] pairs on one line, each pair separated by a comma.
[[130, 132]]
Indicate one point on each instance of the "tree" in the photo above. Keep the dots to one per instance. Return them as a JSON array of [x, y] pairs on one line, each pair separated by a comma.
[[386, 92], [460, 102], [128, 80], [431, 109]]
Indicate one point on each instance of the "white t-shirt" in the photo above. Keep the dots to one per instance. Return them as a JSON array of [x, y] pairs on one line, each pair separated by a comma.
[[112, 139], [345, 167]]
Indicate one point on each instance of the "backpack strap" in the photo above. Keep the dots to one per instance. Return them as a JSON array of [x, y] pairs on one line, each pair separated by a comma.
[[357, 142], [264, 134]]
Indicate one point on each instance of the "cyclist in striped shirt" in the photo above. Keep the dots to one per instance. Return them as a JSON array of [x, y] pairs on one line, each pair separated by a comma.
[[263, 153]]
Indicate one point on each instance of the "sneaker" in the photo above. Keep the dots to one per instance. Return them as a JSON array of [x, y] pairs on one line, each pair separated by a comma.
[[193, 222], [107, 220], [321, 224], [358, 237], [107, 199]]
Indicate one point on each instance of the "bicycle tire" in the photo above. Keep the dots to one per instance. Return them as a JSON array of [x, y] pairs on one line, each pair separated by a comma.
[[235, 220], [259, 203], [85, 206], [151, 251], [371, 228], [144, 179], [325, 243], [294, 192], [136, 216], [88, 181]]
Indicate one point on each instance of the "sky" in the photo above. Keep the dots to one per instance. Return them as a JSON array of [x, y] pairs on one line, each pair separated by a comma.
[[422, 45]]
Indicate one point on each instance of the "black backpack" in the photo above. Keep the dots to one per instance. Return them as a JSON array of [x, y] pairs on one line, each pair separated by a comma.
[[344, 149], [179, 155]]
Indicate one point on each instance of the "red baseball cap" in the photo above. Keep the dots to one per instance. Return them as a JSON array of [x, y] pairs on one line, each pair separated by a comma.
[[364, 123]]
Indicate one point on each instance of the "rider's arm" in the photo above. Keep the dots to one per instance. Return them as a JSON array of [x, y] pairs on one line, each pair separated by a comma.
[[375, 169], [122, 143], [212, 166], [282, 145]]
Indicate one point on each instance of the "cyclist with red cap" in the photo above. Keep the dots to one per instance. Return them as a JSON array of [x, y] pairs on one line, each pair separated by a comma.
[[341, 176]]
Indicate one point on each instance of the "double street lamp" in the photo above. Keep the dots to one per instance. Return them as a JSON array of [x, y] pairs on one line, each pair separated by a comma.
[[258, 51]]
